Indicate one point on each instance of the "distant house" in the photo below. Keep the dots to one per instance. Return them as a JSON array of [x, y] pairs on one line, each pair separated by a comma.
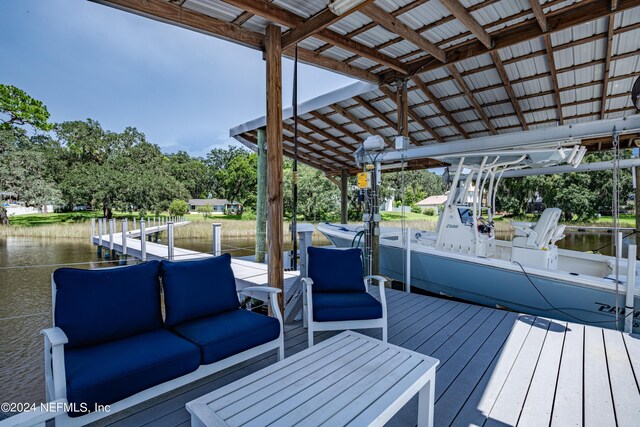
[[433, 202], [14, 206], [218, 206]]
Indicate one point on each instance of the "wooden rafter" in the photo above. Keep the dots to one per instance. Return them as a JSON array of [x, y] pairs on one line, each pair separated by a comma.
[[539, 14], [465, 89], [554, 76], [355, 120], [565, 18], [466, 19], [422, 86], [414, 116], [316, 23], [337, 126], [312, 140], [607, 66], [326, 134], [373, 110], [507, 86], [393, 24], [284, 17]]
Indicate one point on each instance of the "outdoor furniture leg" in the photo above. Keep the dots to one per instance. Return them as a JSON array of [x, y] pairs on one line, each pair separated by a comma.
[[425, 404]]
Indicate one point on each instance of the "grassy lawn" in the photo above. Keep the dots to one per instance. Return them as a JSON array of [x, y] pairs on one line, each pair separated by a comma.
[[397, 216]]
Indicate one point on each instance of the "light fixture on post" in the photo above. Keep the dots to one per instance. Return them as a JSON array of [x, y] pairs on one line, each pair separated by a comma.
[[340, 7]]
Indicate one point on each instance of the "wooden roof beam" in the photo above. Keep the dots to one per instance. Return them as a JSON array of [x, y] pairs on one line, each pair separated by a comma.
[[284, 17], [414, 116], [507, 86], [340, 128], [607, 66], [554, 76], [312, 140], [466, 19], [439, 106], [373, 110], [464, 88], [316, 23], [328, 136], [393, 24], [539, 14], [514, 34], [355, 120]]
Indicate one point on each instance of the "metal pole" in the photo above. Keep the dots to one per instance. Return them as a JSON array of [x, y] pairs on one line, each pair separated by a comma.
[[143, 241], [631, 289], [407, 287], [217, 237], [170, 240], [294, 219]]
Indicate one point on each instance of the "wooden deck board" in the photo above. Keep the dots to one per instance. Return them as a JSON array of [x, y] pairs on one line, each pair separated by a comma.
[[495, 366], [597, 392]]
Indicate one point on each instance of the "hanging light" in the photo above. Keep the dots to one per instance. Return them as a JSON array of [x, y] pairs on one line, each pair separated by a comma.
[[340, 7]]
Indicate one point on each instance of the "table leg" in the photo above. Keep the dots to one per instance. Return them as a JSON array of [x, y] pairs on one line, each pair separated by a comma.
[[425, 404]]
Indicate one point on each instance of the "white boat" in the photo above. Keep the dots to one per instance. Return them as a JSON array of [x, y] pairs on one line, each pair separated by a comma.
[[530, 274]]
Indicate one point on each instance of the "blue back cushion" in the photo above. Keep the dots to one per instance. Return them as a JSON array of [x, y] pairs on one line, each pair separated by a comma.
[[336, 270], [194, 289], [95, 306]]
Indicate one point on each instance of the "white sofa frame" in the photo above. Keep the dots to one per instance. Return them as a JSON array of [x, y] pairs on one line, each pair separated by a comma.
[[55, 377], [313, 326]]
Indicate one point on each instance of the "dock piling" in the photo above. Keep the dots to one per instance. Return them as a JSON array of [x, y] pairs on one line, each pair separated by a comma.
[[143, 241], [123, 258], [100, 233], [217, 239], [93, 229], [134, 223], [170, 240], [108, 253], [631, 289]]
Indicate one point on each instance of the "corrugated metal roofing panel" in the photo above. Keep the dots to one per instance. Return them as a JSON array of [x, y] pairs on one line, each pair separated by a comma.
[[350, 23], [625, 66], [490, 96], [258, 24], [482, 79], [364, 63], [533, 87], [546, 8], [475, 62], [302, 8], [628, 17], [538, 102], [392, 5], [429, 12], [579, 31], [622, 102], [311, 43], [446, 31], [398, 49], [466, 116], [477, 126], [438, 73], [215, 8], [500, 10], [621, 86], [521, 49], [337, 53], [626, 42], [374, 36], [446, 88], [500, 109], [580, 54], [528, 67]]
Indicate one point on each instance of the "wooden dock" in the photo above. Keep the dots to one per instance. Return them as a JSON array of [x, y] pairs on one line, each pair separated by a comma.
[[496, 368], [247, 273]]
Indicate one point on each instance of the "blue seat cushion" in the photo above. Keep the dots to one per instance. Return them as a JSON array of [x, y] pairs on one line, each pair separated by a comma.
[[336, 270], [194, 289], [109, 372], [228, 333], [95, 306], [329, 307]]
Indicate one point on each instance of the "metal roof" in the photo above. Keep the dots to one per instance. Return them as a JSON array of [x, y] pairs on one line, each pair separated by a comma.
[[514, 84]]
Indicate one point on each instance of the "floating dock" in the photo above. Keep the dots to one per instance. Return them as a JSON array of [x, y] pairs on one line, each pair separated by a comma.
[[496, 368]]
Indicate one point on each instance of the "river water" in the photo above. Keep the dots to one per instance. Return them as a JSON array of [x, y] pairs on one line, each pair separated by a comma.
[[25, 297]]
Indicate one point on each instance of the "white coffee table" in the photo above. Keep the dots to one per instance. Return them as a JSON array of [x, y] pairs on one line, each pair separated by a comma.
[[350, 379]]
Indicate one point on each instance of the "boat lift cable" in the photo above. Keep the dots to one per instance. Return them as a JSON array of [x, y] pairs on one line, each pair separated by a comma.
[[294, 220], [561, 310]]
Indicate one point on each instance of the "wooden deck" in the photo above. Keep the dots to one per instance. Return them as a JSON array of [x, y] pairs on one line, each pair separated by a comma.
[[496, 368]]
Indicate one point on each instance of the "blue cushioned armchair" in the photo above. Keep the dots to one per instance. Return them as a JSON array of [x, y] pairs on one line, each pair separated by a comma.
[[110, 344], [336, 293]]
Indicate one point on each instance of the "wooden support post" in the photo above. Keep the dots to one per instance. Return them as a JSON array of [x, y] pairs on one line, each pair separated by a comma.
[[403, 109], [344, 200], [273, 54], [217, 239], [261, 203]]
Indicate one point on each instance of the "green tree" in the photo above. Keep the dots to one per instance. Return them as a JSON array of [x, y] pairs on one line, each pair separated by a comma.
[[318, 198], [205, 210], [178, 207], [218, 159], [237, 180], [192, 172], [19, 109]]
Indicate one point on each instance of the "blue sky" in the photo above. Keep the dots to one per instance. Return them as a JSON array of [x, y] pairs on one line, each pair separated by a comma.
[[184, 90]]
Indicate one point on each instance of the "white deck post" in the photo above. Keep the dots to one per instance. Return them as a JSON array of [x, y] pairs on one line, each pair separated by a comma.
[[124, 237], [100, 233], [407, 286], [631, 289], [112, 224], [170, 240], [93, 229], [143, 241], [135, 227], [217, 239]]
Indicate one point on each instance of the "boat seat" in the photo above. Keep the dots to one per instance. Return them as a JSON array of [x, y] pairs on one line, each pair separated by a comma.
[[540, 235]]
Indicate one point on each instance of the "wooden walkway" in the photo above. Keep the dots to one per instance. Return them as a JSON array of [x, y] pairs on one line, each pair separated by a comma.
[[497, 368], [247, 273]]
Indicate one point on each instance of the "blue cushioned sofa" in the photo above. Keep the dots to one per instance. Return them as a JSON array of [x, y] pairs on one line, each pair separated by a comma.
[[336, 293], [111, 344]]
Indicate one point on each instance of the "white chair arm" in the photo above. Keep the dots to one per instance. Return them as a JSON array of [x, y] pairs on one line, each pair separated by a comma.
[[381, 280], [37, 417], [269, 289], [55, 335]]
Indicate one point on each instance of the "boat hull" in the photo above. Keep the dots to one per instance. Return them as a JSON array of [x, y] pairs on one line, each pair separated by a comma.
[[483, 283]]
